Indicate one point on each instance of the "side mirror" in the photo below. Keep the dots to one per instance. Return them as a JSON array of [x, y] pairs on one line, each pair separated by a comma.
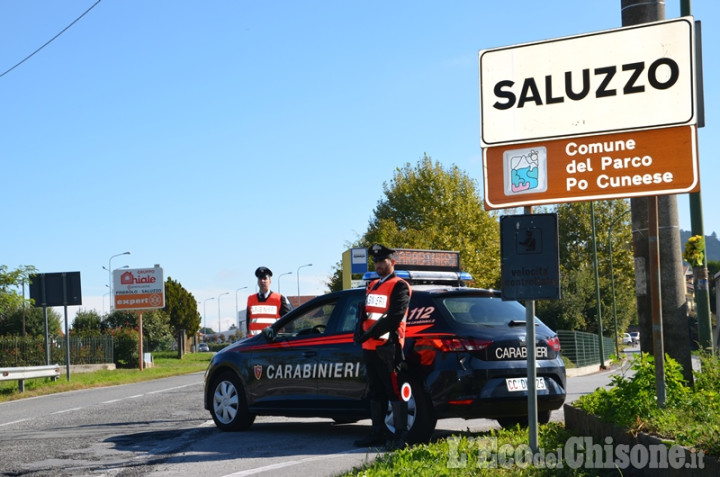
[[268, 333]]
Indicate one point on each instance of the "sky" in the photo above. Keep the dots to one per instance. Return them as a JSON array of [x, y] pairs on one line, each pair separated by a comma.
[[213, 137]]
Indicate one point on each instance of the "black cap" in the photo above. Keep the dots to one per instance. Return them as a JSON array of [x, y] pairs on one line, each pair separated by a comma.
[[380, 252], [263, 272]]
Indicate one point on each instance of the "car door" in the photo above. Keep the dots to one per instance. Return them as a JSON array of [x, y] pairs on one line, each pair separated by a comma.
[[341, 377], [286, 367]]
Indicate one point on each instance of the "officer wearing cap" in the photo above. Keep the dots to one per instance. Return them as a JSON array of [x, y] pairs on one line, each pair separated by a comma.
[[265, 306], [381, 331]]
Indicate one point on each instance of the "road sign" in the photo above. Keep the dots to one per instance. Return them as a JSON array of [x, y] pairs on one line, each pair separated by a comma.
[[632, 164], [529, 254], [629, 78], [138, 288]]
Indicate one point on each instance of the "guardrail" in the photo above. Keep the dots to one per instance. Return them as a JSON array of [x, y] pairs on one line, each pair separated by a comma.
[[28, 372]]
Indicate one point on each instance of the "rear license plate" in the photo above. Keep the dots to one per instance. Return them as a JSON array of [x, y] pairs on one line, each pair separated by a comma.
[[520, 384]]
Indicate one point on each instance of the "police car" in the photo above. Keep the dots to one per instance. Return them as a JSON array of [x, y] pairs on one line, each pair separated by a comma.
[[464, 347]]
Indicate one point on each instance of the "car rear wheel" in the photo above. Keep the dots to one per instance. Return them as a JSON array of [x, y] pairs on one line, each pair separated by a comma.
[[421, 418], [229, 408]]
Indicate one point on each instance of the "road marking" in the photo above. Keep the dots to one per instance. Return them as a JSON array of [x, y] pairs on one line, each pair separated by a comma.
[[66, 410], [13, 422], [289, 463]]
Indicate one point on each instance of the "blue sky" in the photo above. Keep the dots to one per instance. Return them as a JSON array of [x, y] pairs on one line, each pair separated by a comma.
[[213, 137]]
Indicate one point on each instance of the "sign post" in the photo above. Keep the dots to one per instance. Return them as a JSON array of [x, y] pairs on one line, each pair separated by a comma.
[[139, 289]]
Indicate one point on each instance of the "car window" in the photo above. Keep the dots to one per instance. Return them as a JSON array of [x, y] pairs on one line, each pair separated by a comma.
[[483, 311], [349, 314], [313, 321]]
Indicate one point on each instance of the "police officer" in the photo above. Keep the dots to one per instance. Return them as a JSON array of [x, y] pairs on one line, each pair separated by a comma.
[[381, 330], [265, 306]]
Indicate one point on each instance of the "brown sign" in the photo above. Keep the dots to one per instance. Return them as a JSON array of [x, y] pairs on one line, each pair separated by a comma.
[[612, 166]]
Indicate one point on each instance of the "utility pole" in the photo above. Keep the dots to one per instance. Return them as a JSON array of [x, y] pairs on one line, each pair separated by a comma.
[[672, 283]]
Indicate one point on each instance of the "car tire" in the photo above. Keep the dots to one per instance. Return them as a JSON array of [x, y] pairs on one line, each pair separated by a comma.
[[421, 417], [228, 406]]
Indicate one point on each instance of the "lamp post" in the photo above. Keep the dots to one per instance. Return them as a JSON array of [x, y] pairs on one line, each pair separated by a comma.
[[109, 269], [282, 275], [237, 310], [205, 314], [612, 278], [218, 300], [298, 280]]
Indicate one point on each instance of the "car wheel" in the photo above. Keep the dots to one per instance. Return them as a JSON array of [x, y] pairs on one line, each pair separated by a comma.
[[543, 417], [228, 407], [421, 418]]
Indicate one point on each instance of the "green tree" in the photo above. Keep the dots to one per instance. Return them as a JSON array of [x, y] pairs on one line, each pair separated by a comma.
[[34, 322], [181, 307], [11, 288], [87, 323], [431, 207], [157, 333], [577, 308]]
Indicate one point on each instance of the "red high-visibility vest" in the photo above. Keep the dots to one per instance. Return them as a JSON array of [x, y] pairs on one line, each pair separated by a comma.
[[377, 303], [261, 314]]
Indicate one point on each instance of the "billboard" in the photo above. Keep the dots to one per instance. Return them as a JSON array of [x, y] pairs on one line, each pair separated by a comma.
[[138, 288]]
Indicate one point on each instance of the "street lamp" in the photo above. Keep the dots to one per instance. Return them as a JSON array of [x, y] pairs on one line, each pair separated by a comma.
[[282, 275], [298, 279], [109, 269], [218, 300], [237, 310], [205, 314], [612, 278]]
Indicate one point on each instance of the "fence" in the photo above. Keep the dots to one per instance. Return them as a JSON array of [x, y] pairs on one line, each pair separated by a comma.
[[583, 349], [30, 351]]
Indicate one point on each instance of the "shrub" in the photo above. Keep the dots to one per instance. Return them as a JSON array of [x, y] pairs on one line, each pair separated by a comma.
[[126, 345]]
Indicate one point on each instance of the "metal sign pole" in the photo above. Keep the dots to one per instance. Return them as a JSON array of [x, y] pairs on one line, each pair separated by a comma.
[[531, 369]]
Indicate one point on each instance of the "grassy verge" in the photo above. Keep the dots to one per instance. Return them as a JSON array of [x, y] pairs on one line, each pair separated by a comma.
[[166, 364], [495, 453]]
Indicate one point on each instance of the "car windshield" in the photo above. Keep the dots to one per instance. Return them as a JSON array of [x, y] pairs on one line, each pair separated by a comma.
[[484, 311]]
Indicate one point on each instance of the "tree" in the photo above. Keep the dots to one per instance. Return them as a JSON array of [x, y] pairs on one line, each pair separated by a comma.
[[434, 208], [87, 323], [157, 333], [577, 308], [181, 307], [34, 322], [11, 281]]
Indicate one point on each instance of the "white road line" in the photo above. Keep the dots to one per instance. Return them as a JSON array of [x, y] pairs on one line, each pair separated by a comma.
[[13, 422], [281, 465], [66, 410]]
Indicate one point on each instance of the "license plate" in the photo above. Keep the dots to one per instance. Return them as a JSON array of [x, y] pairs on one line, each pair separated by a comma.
[[520, 384]]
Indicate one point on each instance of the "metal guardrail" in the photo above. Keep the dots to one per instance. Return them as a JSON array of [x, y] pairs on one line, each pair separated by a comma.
[[583, 349], [22, 373]]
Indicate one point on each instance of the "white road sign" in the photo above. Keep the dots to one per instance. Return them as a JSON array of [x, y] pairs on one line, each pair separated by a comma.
[[630, 78]]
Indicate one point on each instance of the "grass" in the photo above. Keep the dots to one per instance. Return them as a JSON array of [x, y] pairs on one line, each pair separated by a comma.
[[166, 364], [501, 452]]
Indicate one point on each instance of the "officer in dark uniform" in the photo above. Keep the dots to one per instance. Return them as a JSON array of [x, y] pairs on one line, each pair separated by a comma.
[[265, 306], [381, 331]]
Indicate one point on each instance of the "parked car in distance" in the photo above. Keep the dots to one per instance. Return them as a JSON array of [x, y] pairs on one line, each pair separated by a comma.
[[627, 339], [203, 348], [635, 335]]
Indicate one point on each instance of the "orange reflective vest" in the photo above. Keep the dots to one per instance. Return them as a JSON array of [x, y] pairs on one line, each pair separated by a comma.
[[261, 314], [377, 304]]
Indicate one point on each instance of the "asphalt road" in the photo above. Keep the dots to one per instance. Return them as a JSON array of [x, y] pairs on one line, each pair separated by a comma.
[[159, 428]]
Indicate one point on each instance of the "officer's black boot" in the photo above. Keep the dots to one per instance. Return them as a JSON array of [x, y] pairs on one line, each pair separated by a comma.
[[377, 431], [400, 422]]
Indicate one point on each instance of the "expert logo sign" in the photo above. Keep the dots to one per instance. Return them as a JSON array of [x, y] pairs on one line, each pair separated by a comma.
[[139, 289]]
